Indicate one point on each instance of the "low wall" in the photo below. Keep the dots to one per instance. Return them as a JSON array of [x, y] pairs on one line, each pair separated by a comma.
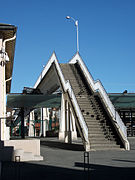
[[28, 145]]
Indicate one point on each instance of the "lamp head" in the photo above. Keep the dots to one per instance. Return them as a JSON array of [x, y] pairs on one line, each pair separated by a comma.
[[68, 17]]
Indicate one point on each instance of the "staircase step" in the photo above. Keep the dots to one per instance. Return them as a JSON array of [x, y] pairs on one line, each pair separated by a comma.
[[96, 129], [96, 133], [91, 121], [88, 113], [103, 141], [104, 146], [93, 125], [98, 139]]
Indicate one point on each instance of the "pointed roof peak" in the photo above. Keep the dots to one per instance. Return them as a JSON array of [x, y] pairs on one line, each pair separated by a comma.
[[53, 55], [77, 56]]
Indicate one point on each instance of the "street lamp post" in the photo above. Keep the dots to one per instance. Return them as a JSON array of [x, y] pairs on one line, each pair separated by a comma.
[[76, 24]]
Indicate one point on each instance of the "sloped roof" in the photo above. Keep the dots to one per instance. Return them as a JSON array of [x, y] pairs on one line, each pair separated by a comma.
[[33, 100], [123, 100]]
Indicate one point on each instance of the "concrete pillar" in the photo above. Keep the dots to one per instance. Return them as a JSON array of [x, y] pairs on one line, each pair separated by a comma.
[[22, 124], [67, 127], [44, 119], [73, 127], [41, 123], [31, 124], [4, 131], [62, 120], [68, 134]]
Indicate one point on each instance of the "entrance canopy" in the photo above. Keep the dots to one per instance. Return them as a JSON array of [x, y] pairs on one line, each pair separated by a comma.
[[33, 101]]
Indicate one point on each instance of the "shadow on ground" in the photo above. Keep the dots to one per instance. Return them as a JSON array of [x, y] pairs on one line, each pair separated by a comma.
[[30, 171], [61, 145], [123, 160], [102, 172], [27, 171]]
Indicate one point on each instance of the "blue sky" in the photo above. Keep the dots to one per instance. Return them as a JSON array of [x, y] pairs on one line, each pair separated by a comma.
[[106, 38]]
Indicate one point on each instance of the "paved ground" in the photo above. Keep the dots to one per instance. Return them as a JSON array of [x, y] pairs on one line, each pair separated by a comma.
[[66, 161]]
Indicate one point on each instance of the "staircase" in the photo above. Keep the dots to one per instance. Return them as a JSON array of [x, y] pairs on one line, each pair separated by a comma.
[[101, 132]]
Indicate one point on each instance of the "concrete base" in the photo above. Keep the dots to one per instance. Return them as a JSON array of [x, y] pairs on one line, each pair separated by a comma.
[[62, 135], [20, 155], [24, 150], [87, 146]]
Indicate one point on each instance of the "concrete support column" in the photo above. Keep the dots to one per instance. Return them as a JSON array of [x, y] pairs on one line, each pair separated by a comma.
[[44, 119], [62, 119], [31, 124], [41, 123], [4, 131], [73, 127], [68, 133], [67, 127], [22, 124]]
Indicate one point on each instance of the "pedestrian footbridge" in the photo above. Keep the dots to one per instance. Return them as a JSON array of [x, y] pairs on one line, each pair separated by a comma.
[[85, 105]]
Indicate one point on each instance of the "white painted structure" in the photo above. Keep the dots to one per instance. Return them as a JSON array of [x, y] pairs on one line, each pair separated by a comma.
[[67, 129], [44, 121], [31, 124], [52, 77]]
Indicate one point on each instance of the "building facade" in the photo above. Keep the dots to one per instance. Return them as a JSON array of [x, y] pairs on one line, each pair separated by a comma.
[[7, 48]]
